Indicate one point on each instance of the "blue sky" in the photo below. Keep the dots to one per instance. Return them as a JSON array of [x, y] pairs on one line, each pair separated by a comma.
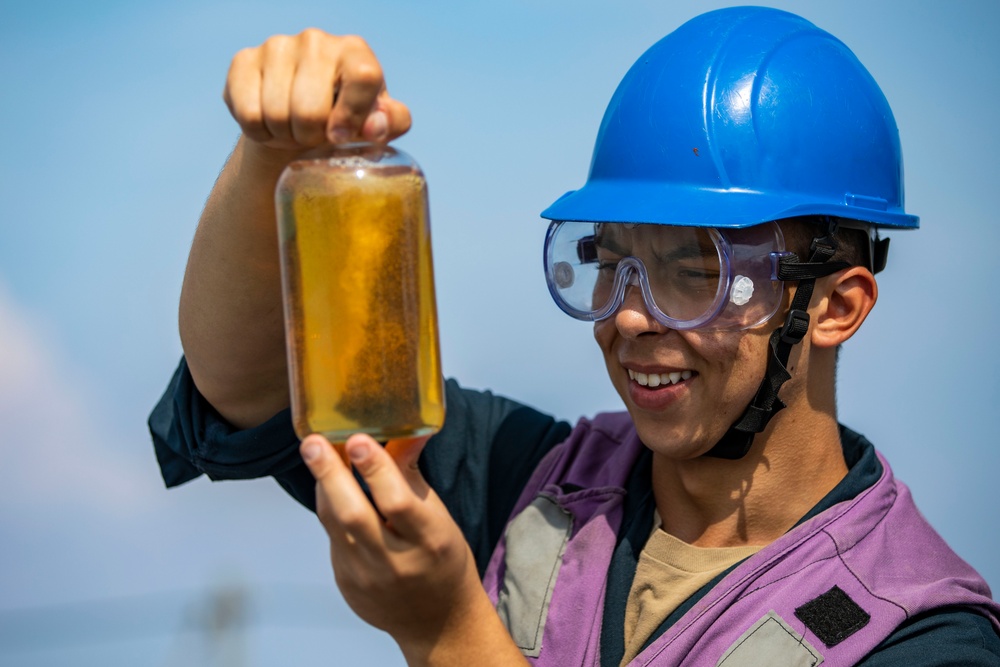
[[114, 131]]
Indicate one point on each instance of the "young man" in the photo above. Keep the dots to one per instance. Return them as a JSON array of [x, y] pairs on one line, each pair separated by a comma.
[[724, 246]]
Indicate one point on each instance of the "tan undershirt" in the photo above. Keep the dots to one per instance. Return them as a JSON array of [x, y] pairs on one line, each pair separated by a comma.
[[669, 572]]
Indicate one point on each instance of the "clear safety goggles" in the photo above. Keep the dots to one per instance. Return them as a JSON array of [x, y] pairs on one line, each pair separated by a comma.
[[689, 277]]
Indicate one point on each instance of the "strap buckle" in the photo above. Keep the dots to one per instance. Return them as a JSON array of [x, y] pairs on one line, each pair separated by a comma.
[[795, 327]]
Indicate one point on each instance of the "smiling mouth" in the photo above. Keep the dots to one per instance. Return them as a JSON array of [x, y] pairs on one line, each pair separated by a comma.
[[659, 379]]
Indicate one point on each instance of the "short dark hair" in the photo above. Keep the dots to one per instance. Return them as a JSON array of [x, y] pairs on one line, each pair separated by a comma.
[[853, 245]]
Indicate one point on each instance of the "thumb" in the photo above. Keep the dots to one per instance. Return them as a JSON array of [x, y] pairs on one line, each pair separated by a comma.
[[322, 458], [388, 120]]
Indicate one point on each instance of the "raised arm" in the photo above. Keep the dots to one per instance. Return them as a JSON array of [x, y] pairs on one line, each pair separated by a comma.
[[289, 95]]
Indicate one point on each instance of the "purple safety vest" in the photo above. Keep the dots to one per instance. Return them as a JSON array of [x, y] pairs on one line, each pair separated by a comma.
[[828, 591]]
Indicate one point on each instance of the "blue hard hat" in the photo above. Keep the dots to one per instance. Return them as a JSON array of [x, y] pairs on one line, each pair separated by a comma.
[[742, 116]]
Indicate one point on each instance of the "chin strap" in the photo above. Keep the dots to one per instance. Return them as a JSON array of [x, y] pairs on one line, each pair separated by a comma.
[[739, 438]]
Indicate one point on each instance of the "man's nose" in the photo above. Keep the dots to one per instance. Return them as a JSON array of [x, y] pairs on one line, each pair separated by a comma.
[[633, 317]]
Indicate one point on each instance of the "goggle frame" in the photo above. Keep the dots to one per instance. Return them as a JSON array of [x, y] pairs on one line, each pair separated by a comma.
[[725, 313]]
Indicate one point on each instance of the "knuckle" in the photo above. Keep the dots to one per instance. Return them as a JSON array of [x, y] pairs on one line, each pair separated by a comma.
[[352, 518], [368, 74], [247, 115], [275, 44], [246, 57], [312, 34], [397, 505], [439, 548], [313, 40], [355, 42]]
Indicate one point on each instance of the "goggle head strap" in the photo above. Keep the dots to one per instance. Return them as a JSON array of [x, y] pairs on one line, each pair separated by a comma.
[[880, 253], [739, 438]]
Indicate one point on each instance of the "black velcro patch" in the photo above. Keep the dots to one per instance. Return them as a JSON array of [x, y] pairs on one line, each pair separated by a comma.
[[833, 616]]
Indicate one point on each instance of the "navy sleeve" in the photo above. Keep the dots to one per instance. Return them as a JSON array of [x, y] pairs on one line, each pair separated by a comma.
[[937, 639], [191, 439], [478, 463]]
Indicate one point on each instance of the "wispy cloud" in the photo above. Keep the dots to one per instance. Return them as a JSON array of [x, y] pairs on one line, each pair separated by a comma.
[[55, 444]]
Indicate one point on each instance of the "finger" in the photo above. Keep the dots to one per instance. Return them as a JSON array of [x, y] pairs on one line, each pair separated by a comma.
[[391, 492], [388, 120], [359, 83], [341, 505], [406, 452], [312, 101], [399, 117], [242, 94], [376, 126], [278, 71], [312, 89]]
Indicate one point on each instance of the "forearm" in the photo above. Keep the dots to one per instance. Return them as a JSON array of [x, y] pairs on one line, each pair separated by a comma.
[[231, 320]]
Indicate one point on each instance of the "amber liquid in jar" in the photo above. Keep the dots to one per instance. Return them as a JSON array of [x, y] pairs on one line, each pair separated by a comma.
[[360, 314]]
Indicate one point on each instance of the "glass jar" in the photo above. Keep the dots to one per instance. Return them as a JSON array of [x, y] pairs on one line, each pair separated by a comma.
[[358, 286]]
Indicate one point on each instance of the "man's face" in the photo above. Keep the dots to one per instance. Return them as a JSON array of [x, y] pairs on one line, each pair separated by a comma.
[[683, 389]]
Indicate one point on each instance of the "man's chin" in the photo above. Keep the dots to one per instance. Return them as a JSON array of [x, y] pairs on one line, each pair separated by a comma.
[[673, 441]]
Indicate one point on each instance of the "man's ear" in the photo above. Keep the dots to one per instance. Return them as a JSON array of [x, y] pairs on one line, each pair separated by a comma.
[[845, 299]]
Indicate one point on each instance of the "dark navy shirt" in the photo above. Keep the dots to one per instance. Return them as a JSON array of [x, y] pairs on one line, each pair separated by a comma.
[[479, 463]]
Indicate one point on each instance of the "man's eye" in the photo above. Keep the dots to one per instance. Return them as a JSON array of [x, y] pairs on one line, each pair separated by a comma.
[[698, 274], [607, 261]]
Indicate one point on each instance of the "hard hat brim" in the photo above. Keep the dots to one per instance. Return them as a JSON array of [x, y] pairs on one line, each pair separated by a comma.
[[672, 204]]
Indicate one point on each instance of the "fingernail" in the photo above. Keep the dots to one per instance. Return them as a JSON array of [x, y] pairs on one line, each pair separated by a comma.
[[310, 451], [378, 126], [358, 450], [339, 135]]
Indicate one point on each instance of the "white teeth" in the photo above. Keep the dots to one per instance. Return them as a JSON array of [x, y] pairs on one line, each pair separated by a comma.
[[657, 379]]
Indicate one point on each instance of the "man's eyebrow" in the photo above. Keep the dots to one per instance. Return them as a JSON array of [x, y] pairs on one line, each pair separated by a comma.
[[601, 240], [687, 251]]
